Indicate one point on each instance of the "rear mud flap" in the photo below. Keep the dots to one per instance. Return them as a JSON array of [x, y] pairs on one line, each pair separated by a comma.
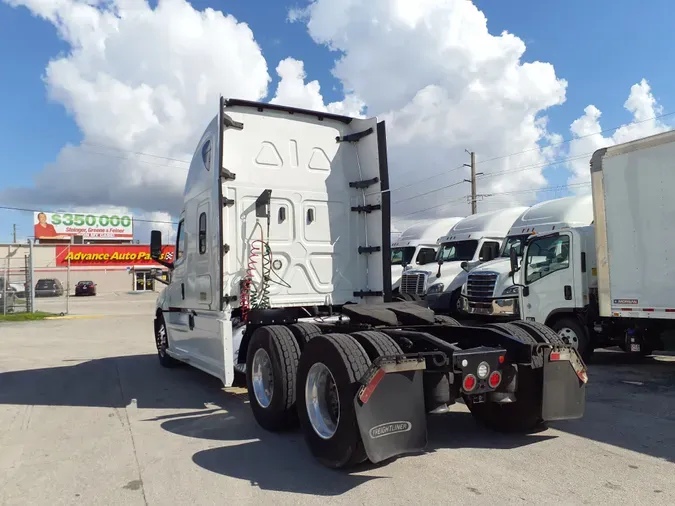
[[392, 421], [564, 389]]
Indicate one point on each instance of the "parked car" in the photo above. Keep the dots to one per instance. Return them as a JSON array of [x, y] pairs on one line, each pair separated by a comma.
[[7, 297], [20, 289], [85, 288], [50, 287]]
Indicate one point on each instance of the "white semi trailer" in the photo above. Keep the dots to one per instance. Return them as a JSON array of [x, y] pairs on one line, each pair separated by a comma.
[[490, 292], [417, 247], [610, 283], [282, 271]]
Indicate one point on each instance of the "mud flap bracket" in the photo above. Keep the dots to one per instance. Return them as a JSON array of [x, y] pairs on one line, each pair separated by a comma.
[[564, 388], [390, 409]]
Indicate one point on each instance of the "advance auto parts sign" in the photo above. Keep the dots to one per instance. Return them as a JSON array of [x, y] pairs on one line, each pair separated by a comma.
[[89, 226], [110, 255]]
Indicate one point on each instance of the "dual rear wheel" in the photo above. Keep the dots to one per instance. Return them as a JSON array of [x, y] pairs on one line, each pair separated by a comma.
[[314, 388]]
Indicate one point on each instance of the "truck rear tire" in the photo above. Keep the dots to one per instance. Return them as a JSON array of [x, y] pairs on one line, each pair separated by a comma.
[[515, 331], [271, 369], [524, 415], [446, 320], [329, 371], [542, 332], [574, 333], [303, 332], [377, 344]]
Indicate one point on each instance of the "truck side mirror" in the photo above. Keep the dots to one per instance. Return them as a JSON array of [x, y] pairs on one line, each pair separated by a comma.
[[465, 266], [513, 257], [155, 244]]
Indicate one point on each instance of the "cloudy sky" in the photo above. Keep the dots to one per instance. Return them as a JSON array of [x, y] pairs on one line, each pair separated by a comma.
[[103, 101]]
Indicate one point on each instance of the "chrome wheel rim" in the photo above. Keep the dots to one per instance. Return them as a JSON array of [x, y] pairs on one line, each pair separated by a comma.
[[263, 378], [569, 336], [162, 345], [322, 400]]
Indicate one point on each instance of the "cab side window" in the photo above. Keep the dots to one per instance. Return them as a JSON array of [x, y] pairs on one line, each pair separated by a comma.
[[546, 256], [180, 241], [202, 233]]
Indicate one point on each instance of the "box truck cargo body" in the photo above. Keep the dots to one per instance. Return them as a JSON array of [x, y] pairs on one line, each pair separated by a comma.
[[611, 283]]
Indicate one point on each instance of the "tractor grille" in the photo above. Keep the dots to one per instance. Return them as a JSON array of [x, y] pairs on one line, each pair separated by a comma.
[[413, 283], [481, 285]]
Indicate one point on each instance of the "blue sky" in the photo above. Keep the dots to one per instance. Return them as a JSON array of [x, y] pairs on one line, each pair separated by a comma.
[[601, 48]]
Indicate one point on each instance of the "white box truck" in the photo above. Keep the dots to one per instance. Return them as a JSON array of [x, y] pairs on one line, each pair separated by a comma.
[[417, 246], [282, 272], [490, 291], [467, 244], [610, 284]]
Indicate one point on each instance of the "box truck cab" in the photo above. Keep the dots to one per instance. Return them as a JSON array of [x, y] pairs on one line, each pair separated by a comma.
[[471, 241], [490, 292], [417, 246]]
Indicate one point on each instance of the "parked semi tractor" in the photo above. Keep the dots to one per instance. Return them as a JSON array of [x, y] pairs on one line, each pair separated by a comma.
[[282, 272], [490, 291], [417, 246], [610, 283], [471, 241]]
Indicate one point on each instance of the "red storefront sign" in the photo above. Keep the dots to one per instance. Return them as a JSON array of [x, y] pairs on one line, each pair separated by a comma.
[[108, 255]]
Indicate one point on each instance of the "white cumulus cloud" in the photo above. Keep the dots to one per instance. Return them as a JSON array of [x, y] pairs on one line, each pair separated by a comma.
[[587, 133], [444, 84], [139, 82]]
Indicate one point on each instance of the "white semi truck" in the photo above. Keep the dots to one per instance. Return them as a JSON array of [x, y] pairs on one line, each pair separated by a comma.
[[417, 246], [282, 272], [610, 284], [490, 292], [465, 245]]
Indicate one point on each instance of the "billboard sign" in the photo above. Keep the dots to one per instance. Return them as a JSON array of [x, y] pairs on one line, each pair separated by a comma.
[[89, 225], [110, 255]]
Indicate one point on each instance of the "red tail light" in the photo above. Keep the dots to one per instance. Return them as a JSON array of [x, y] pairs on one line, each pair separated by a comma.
[[495, 379], [469, 382]]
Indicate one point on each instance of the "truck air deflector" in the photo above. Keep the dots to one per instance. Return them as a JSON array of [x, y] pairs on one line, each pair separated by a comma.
[[355, 137], [259, 106]]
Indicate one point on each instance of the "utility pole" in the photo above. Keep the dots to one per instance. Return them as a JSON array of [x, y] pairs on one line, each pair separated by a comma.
[[14, 229], [472, 180]]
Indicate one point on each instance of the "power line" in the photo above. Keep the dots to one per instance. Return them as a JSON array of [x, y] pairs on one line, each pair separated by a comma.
[[9, 208], [565, 141], [426, 178], [545, 189], [134, 159], [135, 152], [492, 174], [537, 166]]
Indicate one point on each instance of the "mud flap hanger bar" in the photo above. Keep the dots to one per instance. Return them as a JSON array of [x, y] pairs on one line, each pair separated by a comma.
[[393, 364]]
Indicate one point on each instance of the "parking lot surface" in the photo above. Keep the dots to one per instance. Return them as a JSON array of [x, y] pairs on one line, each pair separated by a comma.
[[87, 416]]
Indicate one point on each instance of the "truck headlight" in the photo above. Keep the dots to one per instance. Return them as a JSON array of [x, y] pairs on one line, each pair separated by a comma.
[[511, 290], [437, 288]]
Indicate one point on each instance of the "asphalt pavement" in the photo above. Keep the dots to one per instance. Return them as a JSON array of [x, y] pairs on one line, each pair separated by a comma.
[[87, 416]]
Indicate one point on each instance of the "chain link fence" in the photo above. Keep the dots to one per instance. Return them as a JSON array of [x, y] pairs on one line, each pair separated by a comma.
[[15, 281], [30, 280]]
